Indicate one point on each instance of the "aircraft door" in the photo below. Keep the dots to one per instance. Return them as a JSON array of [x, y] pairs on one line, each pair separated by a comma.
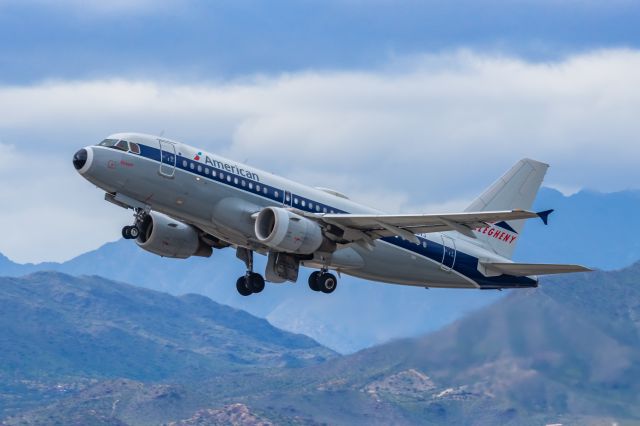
[[288, 199], [167, 159], [448, 253]]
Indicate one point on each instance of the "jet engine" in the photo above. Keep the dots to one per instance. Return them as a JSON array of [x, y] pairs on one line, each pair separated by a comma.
[[167, 237], [288, 232]]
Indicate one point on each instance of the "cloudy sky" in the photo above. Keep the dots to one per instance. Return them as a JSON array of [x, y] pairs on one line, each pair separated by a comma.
[[405, 105]]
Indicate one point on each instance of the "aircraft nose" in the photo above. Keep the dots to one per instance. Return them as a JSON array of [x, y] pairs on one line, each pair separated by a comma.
[[80, 159]]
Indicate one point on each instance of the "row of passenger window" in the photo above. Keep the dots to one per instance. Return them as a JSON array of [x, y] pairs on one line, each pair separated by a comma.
[[228, 177], [297, 202], [308, 205]]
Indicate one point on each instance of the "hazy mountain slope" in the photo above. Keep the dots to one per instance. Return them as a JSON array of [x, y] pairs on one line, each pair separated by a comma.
[[58, 329], [588, 227], [568, 352], [571, 347], [384, 312]]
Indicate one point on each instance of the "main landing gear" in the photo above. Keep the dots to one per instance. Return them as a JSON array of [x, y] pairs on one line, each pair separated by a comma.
[[251, 282], [323, 281]]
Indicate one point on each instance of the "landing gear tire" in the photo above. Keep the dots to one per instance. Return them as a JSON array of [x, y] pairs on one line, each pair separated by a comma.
[[327, 283], [255, 282], [242, 287], [130, 232], [313, 280], [250, 284], [134, 232]]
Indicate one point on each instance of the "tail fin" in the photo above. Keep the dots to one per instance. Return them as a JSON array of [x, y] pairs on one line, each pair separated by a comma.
[[517, 189]]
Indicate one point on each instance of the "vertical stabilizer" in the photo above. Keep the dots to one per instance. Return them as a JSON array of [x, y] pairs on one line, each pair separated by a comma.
[[517, 189]]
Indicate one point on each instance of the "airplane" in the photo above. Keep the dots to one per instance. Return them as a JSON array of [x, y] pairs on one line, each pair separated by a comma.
[[188, 202]]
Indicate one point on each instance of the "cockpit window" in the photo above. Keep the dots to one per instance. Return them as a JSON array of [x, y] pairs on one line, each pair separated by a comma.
[[108, 142], [121, 145], [134, 147]]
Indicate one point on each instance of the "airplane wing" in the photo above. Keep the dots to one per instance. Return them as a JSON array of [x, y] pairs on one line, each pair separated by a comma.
[[528, 269], [367, 228]]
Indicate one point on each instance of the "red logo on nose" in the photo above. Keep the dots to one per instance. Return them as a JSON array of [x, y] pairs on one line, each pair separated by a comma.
[[197, 157]]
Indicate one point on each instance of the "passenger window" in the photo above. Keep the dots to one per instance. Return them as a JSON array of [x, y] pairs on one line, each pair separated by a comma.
[[265, 190], [192, 166], [276, 193], [250, 185], [213, 173], [258, 188], [206, 170], [235, 180], [324, 210], [134, 147], [185, 163], [244, 183], [304, 203], [317, 208], [199, 168], [228, 178], [221, 176]]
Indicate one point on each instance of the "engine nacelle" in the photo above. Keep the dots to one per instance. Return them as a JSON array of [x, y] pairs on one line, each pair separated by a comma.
[[288, 232], [167, 237]]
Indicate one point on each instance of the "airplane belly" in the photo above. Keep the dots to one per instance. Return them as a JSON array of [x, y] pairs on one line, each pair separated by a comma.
[[391, 264]]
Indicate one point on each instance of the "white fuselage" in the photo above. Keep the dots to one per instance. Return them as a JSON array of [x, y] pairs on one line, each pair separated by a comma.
[[221, 197]]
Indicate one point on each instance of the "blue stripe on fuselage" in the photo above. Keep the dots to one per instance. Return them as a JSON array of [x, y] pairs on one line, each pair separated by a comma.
[[465, 264]]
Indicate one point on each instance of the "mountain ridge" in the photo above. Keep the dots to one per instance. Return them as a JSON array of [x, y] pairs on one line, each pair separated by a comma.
[[567, 352]]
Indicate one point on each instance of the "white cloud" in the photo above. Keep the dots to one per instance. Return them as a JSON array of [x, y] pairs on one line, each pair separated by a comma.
[[427, 132], [48, 213]]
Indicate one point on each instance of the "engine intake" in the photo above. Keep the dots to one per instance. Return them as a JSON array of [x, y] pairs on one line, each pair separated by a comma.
[[288, 232], [166, 237]]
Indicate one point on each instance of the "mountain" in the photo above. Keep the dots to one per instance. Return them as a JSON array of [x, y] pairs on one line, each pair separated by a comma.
[[384, 312], [581, 230], [567, 352], [60, 329]]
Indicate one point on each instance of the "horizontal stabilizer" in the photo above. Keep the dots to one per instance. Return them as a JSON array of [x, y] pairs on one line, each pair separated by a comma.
[[545, 215], [528, 269]]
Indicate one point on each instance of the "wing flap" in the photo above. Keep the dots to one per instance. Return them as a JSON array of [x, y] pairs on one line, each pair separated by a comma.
[[529, 269], [471, 220]]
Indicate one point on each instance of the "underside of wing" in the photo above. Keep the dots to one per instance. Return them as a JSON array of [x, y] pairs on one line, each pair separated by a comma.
[[529, 269]]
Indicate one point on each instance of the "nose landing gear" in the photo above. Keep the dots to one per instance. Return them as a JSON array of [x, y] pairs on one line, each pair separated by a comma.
[[133, 232], [130, 232]]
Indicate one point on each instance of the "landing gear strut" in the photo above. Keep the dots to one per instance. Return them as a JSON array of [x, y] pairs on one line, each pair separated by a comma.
[[323, 281], [251, 282]]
